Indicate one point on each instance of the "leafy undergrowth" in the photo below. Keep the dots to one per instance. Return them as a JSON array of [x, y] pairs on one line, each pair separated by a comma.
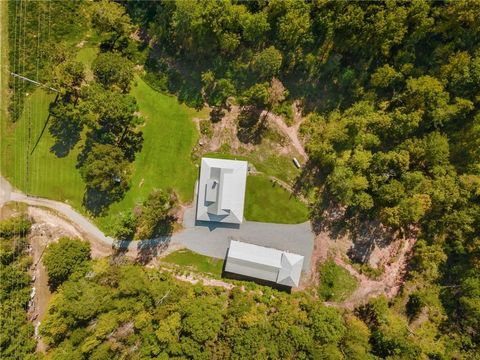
[[196, 262], [336, 283]]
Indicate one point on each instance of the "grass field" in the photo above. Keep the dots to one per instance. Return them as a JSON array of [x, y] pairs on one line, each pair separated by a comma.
[[28, 142], [269, 202], [196, 262], [336, 283], [164, 162]]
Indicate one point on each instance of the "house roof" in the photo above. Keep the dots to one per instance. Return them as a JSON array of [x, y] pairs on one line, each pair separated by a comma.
[[221, 190], [264, 263]]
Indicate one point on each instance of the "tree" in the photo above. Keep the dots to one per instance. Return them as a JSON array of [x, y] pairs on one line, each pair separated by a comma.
[[113, 71], [277, 93], [110, 17], [257, 95], [67, 77], [254, 26], [155, 216], [114, 119], [64, 258], [15, 226], [267, 63], [124, 226], [327, 325], [106, 170]]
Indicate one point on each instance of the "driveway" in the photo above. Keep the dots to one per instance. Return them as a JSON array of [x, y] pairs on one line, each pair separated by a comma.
[[210, 239], [213, 240]]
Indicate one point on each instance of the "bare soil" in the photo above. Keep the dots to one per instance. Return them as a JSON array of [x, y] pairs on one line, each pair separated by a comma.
[[225, 131], [47, 228], [392, 257], [291, 132]]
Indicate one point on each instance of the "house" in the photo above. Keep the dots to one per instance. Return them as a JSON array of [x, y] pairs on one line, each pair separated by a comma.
[[271, 265], [221, 190]]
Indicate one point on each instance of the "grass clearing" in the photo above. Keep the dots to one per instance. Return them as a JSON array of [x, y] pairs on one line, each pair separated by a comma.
[[165, 160], [336, 283], [267, 201], [163, 163], [196, 262]]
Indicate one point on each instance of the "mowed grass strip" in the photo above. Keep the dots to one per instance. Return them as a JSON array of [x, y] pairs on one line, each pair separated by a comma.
[[267, 201], [27, 160], [196, 262]]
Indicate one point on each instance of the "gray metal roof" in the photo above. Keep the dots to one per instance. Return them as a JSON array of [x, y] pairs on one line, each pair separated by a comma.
[[221, 190], [264, 263]]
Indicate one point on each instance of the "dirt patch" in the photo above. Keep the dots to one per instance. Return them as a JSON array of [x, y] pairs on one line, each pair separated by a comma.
[[291, 132], [47, 228], [393, 257]]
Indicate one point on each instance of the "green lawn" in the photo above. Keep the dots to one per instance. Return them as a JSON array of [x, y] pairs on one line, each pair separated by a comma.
[[266, 162], [86, 56], [164, 161], [195, 261], [336, 283], [269, 202], [47, 175]]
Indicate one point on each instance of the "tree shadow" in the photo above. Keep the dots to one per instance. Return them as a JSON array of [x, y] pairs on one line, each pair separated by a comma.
[[217, 113], [97, 202], [366, 235], [251, 125], [66, 132], [364, 230], [149, 249]]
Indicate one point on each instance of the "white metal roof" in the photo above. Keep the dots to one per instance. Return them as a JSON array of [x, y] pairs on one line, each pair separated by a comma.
[[221, 190], [264, 263]]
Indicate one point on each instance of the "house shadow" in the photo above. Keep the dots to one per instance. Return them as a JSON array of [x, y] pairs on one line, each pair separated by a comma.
[[212, 225], [271, 284]]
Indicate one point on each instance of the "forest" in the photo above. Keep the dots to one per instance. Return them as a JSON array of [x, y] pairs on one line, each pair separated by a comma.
[[390, 91]]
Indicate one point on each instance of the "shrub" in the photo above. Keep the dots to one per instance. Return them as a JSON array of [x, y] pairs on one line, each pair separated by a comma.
[[206, 128], [336, 283], [15, 226]]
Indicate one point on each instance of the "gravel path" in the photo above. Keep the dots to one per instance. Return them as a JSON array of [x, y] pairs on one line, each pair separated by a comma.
[[205, 238]]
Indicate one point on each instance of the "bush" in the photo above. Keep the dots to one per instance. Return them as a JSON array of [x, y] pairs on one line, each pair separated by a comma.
[[285, 109], [158, 82], [336, 283], [206, 128], [15, 226]]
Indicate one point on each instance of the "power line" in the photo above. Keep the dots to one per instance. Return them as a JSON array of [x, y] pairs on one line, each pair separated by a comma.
[[34, 82]]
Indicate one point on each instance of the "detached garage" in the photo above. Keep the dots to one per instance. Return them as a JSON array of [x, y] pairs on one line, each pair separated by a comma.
[[264, 263]]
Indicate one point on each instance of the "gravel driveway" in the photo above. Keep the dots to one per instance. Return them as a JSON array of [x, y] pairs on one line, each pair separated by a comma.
[[213, 240]]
